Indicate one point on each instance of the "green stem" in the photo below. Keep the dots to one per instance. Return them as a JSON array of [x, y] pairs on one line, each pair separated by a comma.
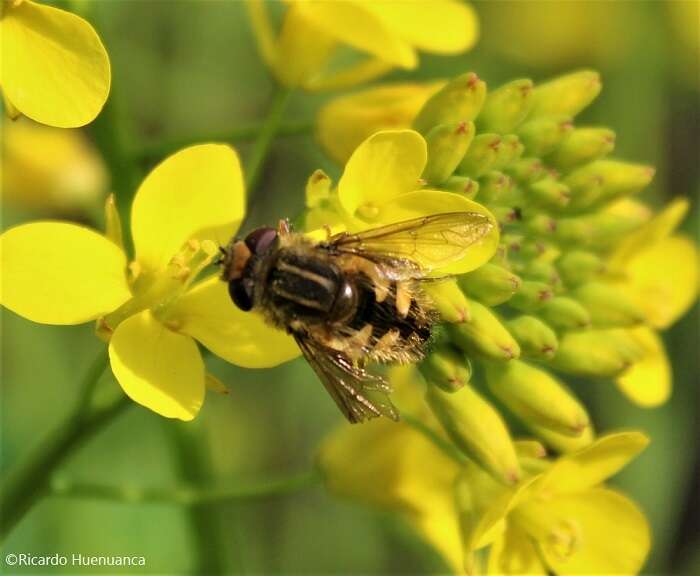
[[29, 481], [185, 495], [161, 148], [268, 131]]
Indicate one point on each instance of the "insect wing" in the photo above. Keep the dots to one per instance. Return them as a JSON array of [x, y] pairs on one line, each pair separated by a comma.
[[359, 395], [417, 246]]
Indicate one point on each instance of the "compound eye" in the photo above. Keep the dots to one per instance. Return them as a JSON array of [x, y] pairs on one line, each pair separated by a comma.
[[261, 240], [241, 292]]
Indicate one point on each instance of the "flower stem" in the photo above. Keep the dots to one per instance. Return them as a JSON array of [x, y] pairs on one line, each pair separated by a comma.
[[269, 129], [26, 484]]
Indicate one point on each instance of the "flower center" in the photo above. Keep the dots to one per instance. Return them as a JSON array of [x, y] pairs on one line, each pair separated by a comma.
[[559, 537], [368, 211]]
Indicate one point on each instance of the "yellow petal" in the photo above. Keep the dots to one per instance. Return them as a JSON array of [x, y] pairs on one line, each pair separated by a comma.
[[196, 192], [243, 338], [440, 26], [352, 23], [385, 165], [58, 273], [514, 553], [158, 368], [426, 202], [438, 524], [663, 279], [594, 464], [346, 121], [648, 382], [612, 535], [55, 69]]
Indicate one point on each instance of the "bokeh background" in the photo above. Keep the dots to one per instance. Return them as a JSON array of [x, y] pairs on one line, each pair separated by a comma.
[[187, 71]]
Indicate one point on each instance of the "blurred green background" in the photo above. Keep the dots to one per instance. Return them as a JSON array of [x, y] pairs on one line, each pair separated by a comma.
[[183, 70]]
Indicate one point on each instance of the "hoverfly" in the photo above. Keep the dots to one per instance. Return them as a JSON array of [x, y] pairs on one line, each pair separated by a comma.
[[352, 299]]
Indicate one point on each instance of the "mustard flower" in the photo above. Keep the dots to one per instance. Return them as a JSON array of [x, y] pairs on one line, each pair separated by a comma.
[[389, 33], [67, 176], [155, 308], [55, 69]]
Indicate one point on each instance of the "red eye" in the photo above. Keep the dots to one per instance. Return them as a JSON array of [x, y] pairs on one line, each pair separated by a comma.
[[261, 240], [241, 292]]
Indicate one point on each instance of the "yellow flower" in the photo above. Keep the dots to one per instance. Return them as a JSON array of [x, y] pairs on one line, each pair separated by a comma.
[[382, 183], [390, 33], [345, 122], [151, 310], [659, 272], [50, 168], [55, 69]]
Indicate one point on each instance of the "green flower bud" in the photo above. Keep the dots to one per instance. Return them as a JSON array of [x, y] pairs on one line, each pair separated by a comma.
[[530, 449], [605, 180], [447, 144], [566, 95], [581, 146], [494, 185], [506, 107], [460, 100], [531, 296], [462, 185], [510, 151], [536, 338], [599, 353], [608, 305], [477, 429], [562, 442], [490, 284], [578, 266], [596, 231], [536, 397], [447, 368], [482, 154], [542, 135], [450, 301], [485, 334], [549, 193], [527, 170], [543, 271], [565, 314], [540, 224]]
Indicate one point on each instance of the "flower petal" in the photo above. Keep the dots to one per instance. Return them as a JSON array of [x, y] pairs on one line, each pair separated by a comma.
[[58, 273], [663, 279], [55, 69], [594, 464], [345, 122], [354, 24], [242, 338], [427, 202], [196, 192], [440, 26], [514, 553], [647, 382], [158, 368], [385, 165], [614, 534]]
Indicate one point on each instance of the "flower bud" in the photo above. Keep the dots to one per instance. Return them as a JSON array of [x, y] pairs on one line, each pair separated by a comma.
[[536, 397], [460, 100], [113, 222], [597, 230], [543, 271], [493, 186], [450, 301], [606, 180], [578, 266], [565, 314], [527, 170], [531, 296], [490, 284], [510, 150], [608, 305], [484, 333], [506, 107], [581, 146], [462, 185], [542, 135], [566, 95], [601, 352], [447, 145], [529, 449], [562, 442], [477, 429], [481, 156], [549, 193], [447, 368], [536, 338], [318, 188]]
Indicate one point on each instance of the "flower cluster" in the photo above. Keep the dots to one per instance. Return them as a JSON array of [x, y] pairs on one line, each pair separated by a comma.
[[583, 276]]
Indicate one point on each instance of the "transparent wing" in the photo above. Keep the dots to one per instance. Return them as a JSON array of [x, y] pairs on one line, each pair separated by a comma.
[[428, 243], [359, 395]]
